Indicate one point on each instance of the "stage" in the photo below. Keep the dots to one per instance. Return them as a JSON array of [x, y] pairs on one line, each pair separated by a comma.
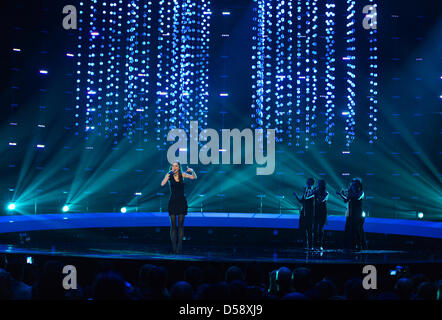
[[214, 237]]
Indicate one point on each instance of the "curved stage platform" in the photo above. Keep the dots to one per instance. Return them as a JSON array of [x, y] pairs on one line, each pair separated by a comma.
[[23, 223], [81, 235]]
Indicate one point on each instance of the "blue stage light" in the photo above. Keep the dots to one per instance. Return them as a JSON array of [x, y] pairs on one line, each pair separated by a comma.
[[420, 215], [11, 206], [123, 210], [65, 208]]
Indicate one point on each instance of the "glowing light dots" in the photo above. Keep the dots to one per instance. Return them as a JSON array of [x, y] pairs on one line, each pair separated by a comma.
[[285, 69], [113, 77], [373, 90], [183, 65], [351, 76], [330, 68]]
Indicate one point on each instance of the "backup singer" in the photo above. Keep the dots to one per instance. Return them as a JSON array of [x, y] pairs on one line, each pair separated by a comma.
[[307, 213], [177, 203], [355, 220], [321, 197]]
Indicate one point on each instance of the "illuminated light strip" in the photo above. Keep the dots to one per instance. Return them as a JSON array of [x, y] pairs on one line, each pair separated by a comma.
[[258, 66], [78, 78], [203, 71], [280, 59], [300, 70], [183, 65], [131, 69], [268, 60], [290, 25], [373, 74], [163, 73], [314, 52], [307, 73], [351, 76], [330, 60]]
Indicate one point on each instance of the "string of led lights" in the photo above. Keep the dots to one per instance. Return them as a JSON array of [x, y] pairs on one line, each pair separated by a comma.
[[137, 70], [203, 64], [183, 65], [329, 71], [258, 64], [165, 65], [290, 71], [314, 60], [78, 77], [300, 79], [279, 70], [351, 76], [373, 74], [268, 62], [273, 86], [308, 63], [131, 69]]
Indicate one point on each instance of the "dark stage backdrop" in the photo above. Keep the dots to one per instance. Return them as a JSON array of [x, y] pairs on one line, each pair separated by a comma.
[[49, 159]]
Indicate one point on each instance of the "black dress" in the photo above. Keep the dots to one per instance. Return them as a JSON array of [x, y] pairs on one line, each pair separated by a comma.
[[320, 209], [307, 216], [355, 222], [177, 201]]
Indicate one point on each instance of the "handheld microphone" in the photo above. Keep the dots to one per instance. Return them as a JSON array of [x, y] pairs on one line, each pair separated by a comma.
[[171, 172]]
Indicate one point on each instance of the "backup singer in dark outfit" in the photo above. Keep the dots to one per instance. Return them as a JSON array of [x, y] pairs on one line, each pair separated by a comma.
[[177, 203], [355, 221], [307, 212], [321, 197]]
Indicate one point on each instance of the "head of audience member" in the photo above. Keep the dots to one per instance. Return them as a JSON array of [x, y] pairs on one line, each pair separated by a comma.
[[417, 279], [354, 290], [109, 286], [215, 291], [49, 285], [181, 290], [427, 291], [283, 281], [238, 289], [387, 296], [404, 288], [324, 290], [211, 275], [144, 275], [16, 267], [158, 282], [294, 296], [302, 279], [272, 283], [194, 276], [255, 275], [233, 273], [5, 285]]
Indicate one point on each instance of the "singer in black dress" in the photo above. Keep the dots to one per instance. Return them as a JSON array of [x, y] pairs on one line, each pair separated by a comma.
[[177, 203]]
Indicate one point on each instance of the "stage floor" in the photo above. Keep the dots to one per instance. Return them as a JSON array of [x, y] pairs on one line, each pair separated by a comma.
[[117, 250], [108, 247]]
